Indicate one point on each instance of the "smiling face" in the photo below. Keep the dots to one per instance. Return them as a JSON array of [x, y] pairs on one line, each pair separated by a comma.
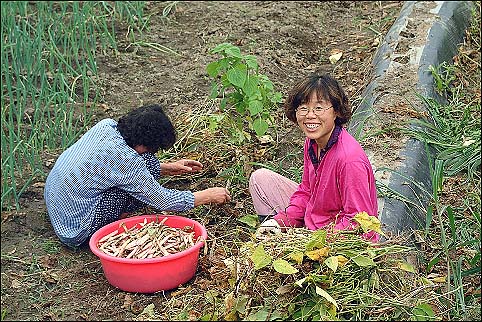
[[316, 103], [316, 118]]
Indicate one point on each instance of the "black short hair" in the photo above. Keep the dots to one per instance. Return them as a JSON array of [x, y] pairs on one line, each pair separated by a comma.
[[325, 87], [147, 125]]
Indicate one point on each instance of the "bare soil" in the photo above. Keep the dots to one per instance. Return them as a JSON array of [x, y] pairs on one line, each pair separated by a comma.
[[43, 280]]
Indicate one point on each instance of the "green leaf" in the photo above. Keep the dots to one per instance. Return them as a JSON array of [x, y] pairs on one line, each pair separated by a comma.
[[332, 262], [328, 312], [348, 253], [149, 311], [208, 317], [251, 86], [251, 62], [225, 81], [260, 126], [260, 315], [223, 64], [363, 261], [211, 296], [222, 105], [250, 220], [237, 75], [233, 51], [317, 240], [406, 266], [433, 261], [423, 312], [255, 107], [214, 120], [276, 315], [426, 281], [221, 48], [276, 97], [240, 107], [327, 296], [319, 278], [264, 80], [214, 91], [283, 267], [235, 98], [241, 302], [212, 69], [260, 258]]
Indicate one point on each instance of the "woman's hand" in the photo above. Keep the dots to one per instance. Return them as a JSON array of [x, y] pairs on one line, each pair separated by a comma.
[[211, 195], [180, 167]]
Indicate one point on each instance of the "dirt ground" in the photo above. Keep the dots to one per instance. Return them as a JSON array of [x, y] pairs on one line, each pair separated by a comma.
[[43, 280]]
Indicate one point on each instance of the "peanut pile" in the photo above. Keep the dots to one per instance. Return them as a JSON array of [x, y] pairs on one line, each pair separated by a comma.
[[147, 240]]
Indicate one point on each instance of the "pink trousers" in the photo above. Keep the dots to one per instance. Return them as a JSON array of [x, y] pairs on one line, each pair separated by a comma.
[[270, 191]]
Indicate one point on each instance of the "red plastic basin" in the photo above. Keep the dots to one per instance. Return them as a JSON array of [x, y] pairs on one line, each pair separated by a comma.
[[152, 274]]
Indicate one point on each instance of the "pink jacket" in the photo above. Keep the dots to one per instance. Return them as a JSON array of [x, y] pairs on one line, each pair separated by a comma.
[[341, 186]]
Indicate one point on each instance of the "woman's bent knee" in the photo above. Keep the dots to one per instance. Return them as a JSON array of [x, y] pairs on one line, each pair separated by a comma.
[[260, 176]]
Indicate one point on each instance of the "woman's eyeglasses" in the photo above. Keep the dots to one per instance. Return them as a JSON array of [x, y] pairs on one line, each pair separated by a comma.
[[319, 110]]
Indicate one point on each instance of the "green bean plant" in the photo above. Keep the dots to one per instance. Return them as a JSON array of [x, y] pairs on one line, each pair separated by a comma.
[[248, 98]]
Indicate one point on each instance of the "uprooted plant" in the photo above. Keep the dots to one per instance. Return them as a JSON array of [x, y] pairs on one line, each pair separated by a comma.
[[326, 275]]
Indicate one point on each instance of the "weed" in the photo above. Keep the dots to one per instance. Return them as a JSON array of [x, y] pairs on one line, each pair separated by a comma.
[[443, 75], [453, 131], [51, 246], [4, 313], [169, 8]]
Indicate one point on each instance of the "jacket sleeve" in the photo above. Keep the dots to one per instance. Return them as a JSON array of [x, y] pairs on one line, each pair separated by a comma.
[[133, 176], [357, 188]]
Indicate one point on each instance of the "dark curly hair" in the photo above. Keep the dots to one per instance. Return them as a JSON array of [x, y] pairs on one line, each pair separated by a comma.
[[325, 87], [149, 126]]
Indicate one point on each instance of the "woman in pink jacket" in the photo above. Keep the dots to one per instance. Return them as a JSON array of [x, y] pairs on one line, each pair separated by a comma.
[[337, 181]]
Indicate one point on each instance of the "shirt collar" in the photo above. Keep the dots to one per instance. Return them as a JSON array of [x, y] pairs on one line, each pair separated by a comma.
[[331, 141]]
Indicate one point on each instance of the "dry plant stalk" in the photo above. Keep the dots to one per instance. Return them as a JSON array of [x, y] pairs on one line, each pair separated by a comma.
[[150, 240]]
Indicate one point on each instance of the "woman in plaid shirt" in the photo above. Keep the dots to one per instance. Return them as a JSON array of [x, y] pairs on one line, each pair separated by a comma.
[[112, 171]]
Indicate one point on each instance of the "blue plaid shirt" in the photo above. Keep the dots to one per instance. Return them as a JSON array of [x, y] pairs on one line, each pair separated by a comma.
[[98, 161]]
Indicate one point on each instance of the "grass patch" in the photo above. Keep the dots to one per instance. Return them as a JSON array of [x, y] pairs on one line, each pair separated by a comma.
[[50, 87]]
